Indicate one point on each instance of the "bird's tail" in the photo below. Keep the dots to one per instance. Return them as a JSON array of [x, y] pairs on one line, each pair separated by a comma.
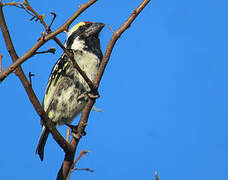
[[42, 142]]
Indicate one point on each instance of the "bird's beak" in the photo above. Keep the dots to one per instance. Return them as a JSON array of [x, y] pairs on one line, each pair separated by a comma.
[[94, 29]]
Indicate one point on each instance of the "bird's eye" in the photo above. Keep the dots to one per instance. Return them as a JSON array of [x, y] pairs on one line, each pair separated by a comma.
[[80, 28]]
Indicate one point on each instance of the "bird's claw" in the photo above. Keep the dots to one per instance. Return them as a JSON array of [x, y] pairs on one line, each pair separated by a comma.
[[87, 95], [74, 131]]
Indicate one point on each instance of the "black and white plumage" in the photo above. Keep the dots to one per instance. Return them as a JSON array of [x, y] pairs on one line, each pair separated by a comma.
[[65, 93]]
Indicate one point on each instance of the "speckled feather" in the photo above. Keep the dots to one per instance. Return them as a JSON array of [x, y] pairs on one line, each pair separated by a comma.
[[66, 85]]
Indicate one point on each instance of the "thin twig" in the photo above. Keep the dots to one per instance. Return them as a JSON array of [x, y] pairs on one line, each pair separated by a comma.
[[32, 96], [44, 39], [83, 152], [13, 3], [26, 10], [111, 29], [39, 17], [54, 16], [69, 54], [83, 169], [1, 62], [21, 5], [30, 78], [51, 50]]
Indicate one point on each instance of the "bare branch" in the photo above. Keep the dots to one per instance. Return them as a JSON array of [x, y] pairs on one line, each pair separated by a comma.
[[69, 54], [51, 35], [39, 17], [13, 3], [54, 16], [83, 169], [51, 50], [32, 96]]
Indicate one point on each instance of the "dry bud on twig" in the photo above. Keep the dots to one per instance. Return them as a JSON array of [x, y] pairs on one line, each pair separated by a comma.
[[156, 175], [51, 50]]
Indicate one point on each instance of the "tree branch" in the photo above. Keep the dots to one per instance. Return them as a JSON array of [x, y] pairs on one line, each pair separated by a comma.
[[69, 54], [13, 3], [42, 41], [68, 160], [115, 37], [76, 66], [34, 100], [29, 8]]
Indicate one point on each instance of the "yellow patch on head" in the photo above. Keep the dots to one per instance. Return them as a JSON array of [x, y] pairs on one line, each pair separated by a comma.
[[75, 27]]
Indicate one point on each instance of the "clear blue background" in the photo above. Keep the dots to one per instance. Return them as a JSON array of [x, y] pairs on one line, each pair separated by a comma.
[[164, 94]]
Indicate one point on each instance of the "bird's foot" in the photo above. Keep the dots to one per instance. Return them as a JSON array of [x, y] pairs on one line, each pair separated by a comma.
[[74, 131], [86, 95], [93, 95]]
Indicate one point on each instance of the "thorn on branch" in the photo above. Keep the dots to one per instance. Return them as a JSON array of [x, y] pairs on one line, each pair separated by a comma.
[[30, 78]]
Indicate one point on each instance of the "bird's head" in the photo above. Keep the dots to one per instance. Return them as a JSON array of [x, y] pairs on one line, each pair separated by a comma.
[[84, 35]]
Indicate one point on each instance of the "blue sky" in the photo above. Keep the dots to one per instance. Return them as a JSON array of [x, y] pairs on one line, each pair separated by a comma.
[[164, 94]]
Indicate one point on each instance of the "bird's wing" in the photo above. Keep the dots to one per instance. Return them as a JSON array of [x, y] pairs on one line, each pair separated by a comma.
[[57, 77]]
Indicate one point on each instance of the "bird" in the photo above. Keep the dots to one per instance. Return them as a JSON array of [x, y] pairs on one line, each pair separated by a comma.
[[65, 95]]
